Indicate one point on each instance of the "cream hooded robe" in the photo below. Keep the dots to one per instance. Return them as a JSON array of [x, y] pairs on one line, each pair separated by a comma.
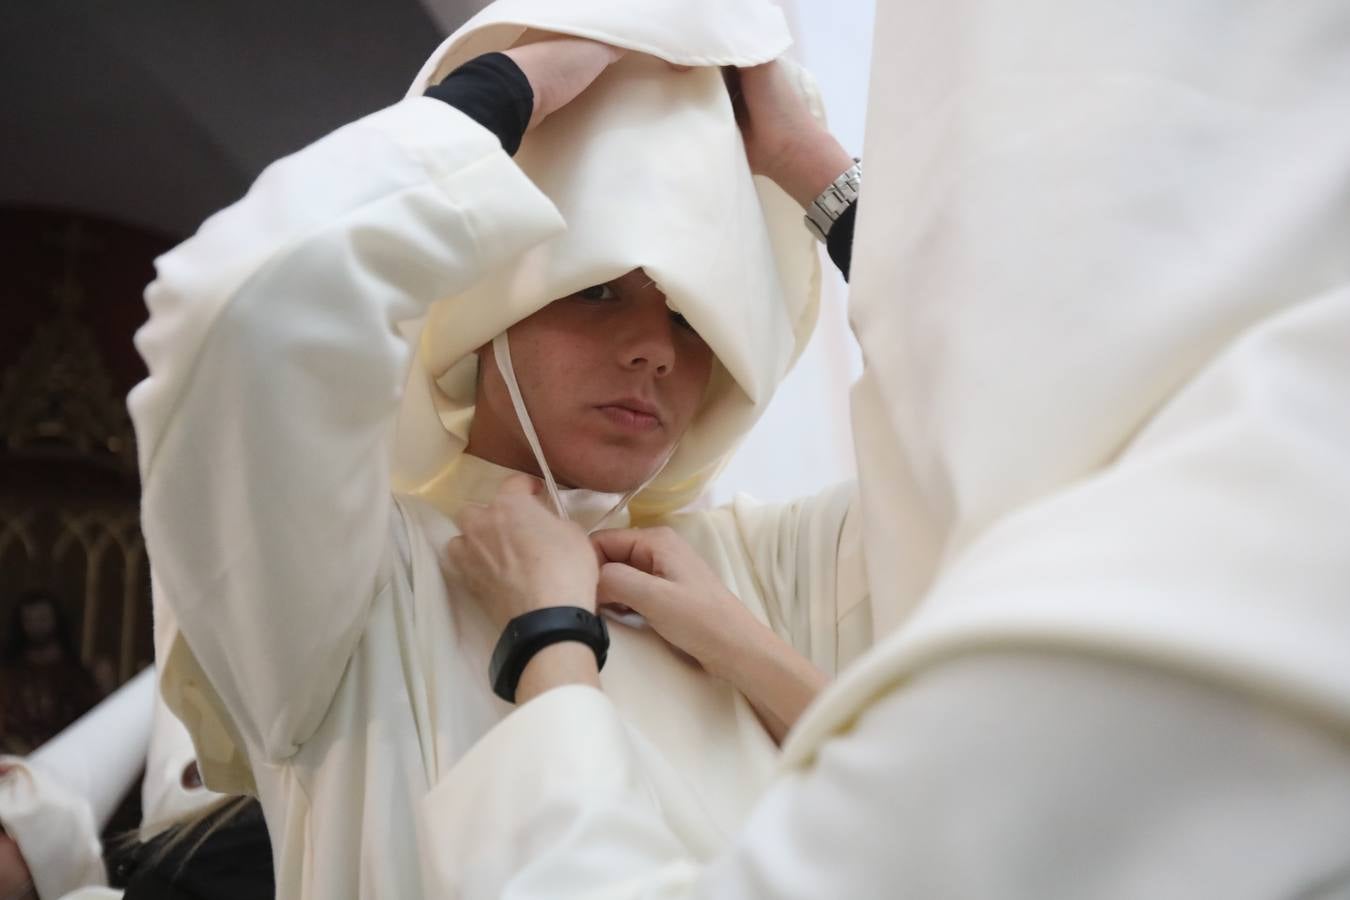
[[1101, 280], [306, 634]]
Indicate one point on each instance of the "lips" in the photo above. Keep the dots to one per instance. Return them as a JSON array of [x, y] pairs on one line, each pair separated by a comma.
[[632, 414]]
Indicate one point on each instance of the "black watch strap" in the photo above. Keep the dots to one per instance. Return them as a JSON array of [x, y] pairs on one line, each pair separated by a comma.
[[526, 635]]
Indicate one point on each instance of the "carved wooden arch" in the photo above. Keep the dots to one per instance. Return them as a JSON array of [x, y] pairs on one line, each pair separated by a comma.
[[69, 492]]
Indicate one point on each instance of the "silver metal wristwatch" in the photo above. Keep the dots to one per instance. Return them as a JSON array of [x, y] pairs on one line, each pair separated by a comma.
[[842, 193]]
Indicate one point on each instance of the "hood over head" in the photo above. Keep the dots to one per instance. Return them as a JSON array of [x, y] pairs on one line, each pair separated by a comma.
[[648, 170]]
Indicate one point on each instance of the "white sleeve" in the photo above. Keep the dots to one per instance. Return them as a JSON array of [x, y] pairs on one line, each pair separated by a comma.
[[275, 373], [1019, 776], [807, 556], [53, 827]]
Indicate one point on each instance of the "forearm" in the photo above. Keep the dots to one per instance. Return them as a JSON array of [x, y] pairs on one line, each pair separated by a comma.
[[777, 680], [808, 171], [808, 167], [493, 91]]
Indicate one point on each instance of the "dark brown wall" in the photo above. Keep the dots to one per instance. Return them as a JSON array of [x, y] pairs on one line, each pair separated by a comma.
[[68, 488]]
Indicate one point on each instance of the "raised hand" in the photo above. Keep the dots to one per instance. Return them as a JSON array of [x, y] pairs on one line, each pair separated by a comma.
[[783, 140], [514, 555], [559, 69]]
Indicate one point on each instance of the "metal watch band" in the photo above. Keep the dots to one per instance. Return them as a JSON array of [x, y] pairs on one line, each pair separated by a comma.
[[842, 193], [526, 635]]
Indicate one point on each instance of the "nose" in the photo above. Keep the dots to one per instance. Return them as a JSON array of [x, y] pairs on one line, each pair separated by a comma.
[[648, 342]]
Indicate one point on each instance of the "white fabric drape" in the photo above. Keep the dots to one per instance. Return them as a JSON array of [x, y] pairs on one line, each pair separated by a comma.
[[55, 801]]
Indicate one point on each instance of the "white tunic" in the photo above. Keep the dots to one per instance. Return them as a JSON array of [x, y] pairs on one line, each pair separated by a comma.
[[330, 669]]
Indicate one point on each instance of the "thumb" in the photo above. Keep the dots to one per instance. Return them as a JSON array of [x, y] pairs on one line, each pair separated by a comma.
[[520, 484], [622, 584]]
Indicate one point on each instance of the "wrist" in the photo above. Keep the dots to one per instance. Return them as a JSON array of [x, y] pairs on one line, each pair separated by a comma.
[[548, 599], [527, 636], [809, 167], [567, 662]]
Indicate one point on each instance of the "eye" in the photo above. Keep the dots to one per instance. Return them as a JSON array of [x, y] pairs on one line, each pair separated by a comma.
[[597, 292], [681, 321]]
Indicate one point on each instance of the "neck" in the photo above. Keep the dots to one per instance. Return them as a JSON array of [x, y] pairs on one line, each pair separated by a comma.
[[473, 479]]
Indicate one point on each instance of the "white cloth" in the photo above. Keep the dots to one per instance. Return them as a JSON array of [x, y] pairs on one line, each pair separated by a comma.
[[1103, 294], [313, 650], [99, 755], [165, 799], [53, 827], [1005, 776], [55, 801]]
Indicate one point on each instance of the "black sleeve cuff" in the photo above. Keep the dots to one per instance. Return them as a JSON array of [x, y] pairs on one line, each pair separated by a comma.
[[492, 91], [839, 242]]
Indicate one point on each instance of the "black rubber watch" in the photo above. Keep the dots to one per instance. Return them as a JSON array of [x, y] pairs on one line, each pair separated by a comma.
[[526, 635]]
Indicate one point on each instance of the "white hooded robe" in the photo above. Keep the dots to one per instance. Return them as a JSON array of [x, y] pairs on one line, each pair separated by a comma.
[[314, 651]]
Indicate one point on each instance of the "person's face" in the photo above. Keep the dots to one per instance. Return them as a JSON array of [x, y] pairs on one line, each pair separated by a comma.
[[38, 621], [611, 378]]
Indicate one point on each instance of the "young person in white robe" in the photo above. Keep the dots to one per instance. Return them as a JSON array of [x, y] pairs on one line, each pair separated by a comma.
[[398, 319], [1102, 285]]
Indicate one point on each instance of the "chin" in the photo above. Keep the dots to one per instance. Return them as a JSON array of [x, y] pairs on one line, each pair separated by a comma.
[[613, 472]]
